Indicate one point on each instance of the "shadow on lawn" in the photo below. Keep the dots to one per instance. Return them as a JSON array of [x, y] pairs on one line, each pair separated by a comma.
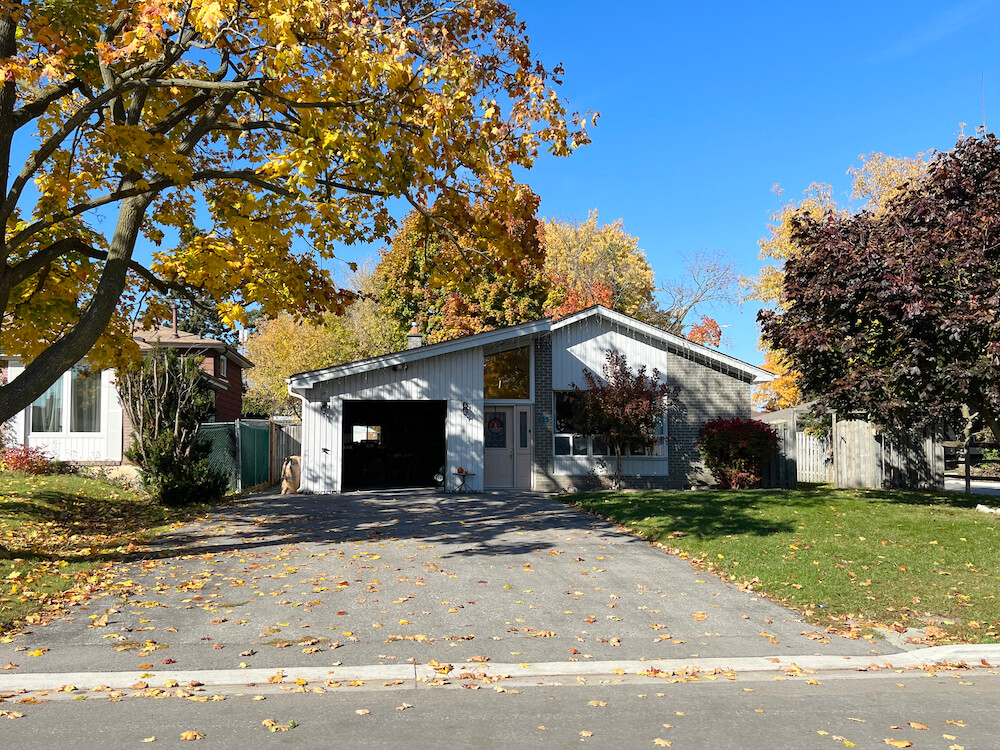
[[703, 514]]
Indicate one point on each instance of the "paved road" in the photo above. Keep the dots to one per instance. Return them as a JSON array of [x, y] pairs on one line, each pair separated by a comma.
[[978, 486], [958, 709]]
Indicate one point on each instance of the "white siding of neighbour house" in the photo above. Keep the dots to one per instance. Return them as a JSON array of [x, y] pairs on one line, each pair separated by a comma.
[[585, 344], [455, 378], [105, 445]]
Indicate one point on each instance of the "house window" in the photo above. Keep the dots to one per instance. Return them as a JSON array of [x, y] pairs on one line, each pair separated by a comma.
[[369, 434], [80, 413], [223, 362], [570, 442], [46, 412], [507, 375]]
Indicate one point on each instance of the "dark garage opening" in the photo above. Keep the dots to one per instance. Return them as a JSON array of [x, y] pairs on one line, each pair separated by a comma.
[[393, 443]]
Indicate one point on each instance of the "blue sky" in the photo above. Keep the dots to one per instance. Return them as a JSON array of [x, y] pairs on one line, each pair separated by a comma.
[[704, 107]]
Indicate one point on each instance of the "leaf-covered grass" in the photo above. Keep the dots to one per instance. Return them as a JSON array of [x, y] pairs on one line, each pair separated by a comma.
[[868, 556], [62, 531]]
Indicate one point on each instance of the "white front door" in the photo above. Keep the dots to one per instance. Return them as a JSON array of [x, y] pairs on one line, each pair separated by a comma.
[[498, 447]]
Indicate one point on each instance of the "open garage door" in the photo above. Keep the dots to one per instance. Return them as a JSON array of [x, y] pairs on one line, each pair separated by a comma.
[[393, 443]]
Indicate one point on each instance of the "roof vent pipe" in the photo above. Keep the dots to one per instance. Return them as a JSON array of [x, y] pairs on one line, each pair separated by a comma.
[[173, 317], [413, 338]]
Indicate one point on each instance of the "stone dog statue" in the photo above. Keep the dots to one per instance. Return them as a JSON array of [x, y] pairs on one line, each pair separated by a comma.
[[291, 475]]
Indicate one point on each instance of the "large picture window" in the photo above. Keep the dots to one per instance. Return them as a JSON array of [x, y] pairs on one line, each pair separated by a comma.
[[81, 412], [507, 375], [570, 442]]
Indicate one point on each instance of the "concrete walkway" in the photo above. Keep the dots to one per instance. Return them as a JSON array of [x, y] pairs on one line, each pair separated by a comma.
[[372, 583]]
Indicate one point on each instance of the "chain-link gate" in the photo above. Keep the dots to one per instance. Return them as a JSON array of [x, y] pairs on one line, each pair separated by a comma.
[[240, 451]]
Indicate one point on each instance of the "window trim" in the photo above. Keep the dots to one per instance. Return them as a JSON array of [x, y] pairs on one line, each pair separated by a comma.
[[223, 365], [531, 377], [660, 439], [66, 409]]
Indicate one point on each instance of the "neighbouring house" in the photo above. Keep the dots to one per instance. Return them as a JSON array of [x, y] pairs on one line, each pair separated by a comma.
[[491, 410], [80, 417]]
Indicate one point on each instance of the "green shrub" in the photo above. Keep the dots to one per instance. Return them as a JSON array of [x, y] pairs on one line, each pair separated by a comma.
[[736, 450], [166, 399]]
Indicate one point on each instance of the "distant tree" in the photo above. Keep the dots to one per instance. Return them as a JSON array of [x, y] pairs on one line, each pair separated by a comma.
[[166, 399], [590, 264], [706, 332], [893, 313], [202, 318], [451, 284], [783, 391], [709, 278], [282, 346], [622, 406]]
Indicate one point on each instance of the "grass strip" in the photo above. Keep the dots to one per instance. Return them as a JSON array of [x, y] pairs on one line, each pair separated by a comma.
[[870, 557]]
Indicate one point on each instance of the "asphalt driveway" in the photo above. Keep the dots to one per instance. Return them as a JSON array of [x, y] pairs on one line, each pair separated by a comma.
[[385, 578]]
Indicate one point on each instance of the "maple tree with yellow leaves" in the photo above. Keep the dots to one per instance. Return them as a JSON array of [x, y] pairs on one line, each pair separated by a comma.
[[281, 129]]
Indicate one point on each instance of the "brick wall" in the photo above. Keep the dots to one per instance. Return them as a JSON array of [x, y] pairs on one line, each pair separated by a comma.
[[229, 403], [706, 393], [544, 418]]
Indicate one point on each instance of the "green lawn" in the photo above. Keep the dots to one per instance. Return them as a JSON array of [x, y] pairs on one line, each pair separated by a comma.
[[869, 556], [62, 531]]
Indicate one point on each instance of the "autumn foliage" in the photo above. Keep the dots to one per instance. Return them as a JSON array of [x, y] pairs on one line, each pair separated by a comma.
[[892, 313], [26, 459], [277, 131], [622, 406], [736, 450]]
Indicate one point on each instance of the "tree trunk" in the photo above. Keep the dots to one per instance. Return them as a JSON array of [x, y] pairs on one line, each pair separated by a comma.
[[49, 366], [616, 480]]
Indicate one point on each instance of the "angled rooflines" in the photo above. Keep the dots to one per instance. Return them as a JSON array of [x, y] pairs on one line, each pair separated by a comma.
[[306, 380]]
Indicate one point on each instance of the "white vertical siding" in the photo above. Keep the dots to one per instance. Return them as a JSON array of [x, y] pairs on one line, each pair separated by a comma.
[[585, 343], [105, 445], [455, 378]]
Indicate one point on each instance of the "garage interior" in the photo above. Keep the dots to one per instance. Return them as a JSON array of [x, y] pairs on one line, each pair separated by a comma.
[[391, 444]]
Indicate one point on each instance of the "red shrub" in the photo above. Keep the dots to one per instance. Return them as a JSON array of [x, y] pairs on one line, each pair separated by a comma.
[[28, 460], [736, 450]]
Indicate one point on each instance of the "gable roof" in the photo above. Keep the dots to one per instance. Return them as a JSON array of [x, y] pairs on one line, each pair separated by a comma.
[[306, 380], [671, 340], [146, 338]]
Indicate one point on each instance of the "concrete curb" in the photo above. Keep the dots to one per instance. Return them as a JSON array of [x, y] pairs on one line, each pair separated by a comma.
[[417, 675]]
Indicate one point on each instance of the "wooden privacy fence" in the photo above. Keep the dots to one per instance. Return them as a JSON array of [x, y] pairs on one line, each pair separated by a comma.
[[864, 456], [780, 472], [286, 440], [857, 454]]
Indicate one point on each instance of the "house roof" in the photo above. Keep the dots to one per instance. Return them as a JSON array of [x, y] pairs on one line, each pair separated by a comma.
[[167, 336], [305, 380], [671, 340]]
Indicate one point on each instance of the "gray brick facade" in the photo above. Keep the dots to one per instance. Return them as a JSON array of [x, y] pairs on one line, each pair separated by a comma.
[[707, 390]]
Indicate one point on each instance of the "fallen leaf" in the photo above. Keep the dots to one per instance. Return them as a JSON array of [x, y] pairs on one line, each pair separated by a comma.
[[585, 733], [660, 742], [404, 707], [899, 743], [150, 739], [597, 703], [191, 734], [363, 712], [917, 725]]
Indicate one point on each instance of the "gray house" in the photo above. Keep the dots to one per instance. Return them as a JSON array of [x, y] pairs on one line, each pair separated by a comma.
[[491, 410]]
